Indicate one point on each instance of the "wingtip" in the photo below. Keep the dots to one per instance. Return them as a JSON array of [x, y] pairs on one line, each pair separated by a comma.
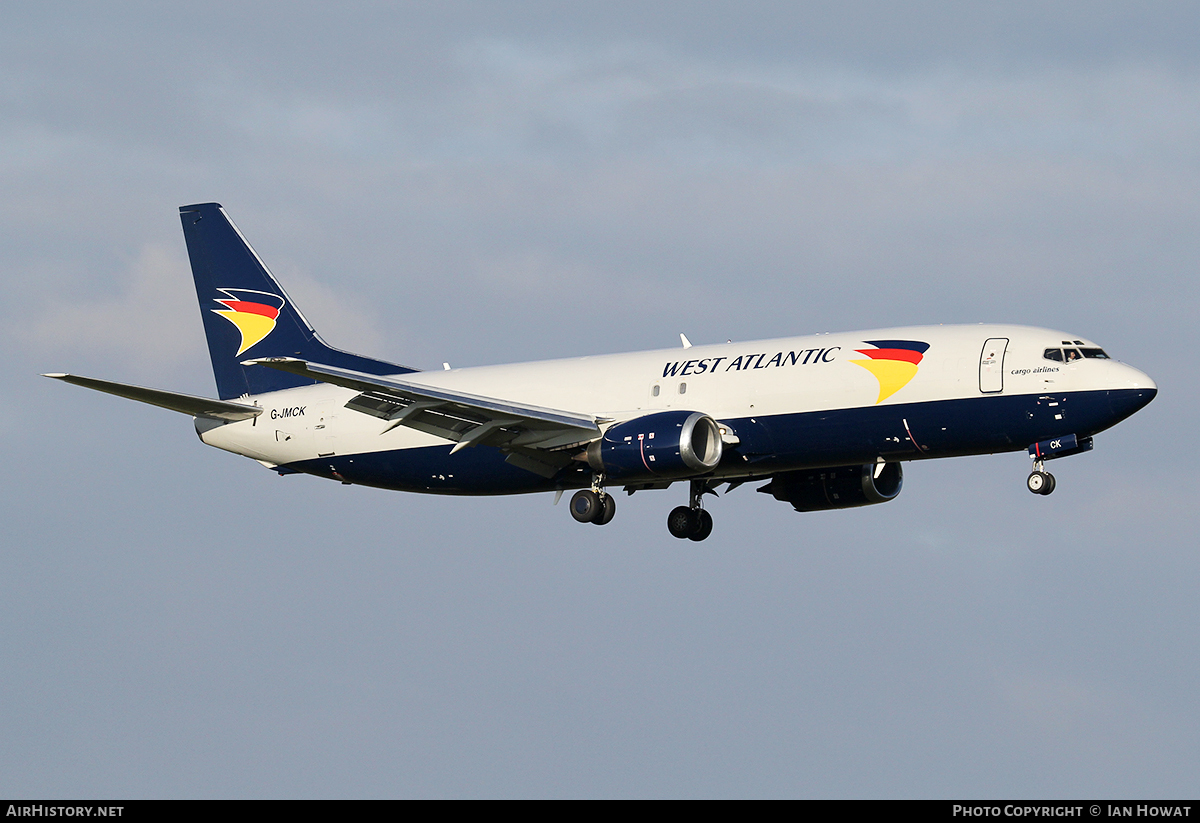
[[57, 375]]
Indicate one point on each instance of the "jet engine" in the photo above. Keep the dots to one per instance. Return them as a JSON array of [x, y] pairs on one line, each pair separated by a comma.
[[663, 444], [843, 487]]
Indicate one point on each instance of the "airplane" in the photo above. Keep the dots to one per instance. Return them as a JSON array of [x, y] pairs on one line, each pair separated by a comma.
[[826, 420]]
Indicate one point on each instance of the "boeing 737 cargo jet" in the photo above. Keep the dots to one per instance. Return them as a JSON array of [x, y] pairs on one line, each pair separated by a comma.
[[825, 422]]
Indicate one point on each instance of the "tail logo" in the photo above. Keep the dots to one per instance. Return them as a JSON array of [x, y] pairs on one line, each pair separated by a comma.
[[253, 312], [893, 362]]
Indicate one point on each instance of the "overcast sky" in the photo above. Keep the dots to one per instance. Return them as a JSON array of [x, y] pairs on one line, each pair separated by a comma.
[[490, 182]]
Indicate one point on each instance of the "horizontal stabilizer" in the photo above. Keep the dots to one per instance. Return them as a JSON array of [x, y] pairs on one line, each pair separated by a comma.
[[185, 403], [468, 419]]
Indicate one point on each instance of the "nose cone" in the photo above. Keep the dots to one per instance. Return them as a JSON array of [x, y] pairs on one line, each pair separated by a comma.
[[1135, 379], [1133, 392]]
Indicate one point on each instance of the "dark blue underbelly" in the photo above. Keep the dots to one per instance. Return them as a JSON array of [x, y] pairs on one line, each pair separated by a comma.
[[945, 428]]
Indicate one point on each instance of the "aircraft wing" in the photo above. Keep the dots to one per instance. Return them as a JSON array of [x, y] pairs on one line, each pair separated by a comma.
[[186, 403], [529, 433]]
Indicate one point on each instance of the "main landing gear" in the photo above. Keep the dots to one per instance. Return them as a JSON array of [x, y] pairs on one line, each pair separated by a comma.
[[691, 521], [593, 505], [1040, 481]]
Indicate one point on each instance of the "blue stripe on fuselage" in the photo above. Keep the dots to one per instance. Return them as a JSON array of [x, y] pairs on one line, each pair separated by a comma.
[[837, 437]]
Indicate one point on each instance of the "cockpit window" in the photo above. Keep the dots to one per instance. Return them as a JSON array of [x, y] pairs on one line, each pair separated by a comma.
[[1071, 355]]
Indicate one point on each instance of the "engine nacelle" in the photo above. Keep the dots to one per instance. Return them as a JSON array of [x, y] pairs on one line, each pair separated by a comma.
[[663, 444], [841, 488]]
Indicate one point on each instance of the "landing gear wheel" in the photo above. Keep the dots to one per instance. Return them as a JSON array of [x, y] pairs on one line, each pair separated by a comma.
[[608, 510], [704, 525], [691, 524], [1039, 482], [681, 522], [1049, 487], [586, 506]]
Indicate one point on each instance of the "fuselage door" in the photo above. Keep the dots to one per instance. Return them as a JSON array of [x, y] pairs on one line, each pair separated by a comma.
[[991, 365], [323, 428]]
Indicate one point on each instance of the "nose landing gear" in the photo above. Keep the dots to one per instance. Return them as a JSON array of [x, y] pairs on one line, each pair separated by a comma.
[[691, 521], [1040, 481]]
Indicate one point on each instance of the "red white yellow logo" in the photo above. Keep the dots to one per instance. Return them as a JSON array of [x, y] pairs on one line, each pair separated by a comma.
[[253, 312], [893, 362]]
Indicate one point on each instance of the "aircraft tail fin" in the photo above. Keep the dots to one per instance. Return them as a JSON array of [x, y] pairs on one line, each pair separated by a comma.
[[247, 314]]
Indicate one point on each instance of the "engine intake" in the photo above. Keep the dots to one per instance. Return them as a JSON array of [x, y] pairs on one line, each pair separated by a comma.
[[843, 487], [664, 444]]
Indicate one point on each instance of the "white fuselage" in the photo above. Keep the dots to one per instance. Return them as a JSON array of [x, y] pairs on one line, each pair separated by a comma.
[[752, 381]]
